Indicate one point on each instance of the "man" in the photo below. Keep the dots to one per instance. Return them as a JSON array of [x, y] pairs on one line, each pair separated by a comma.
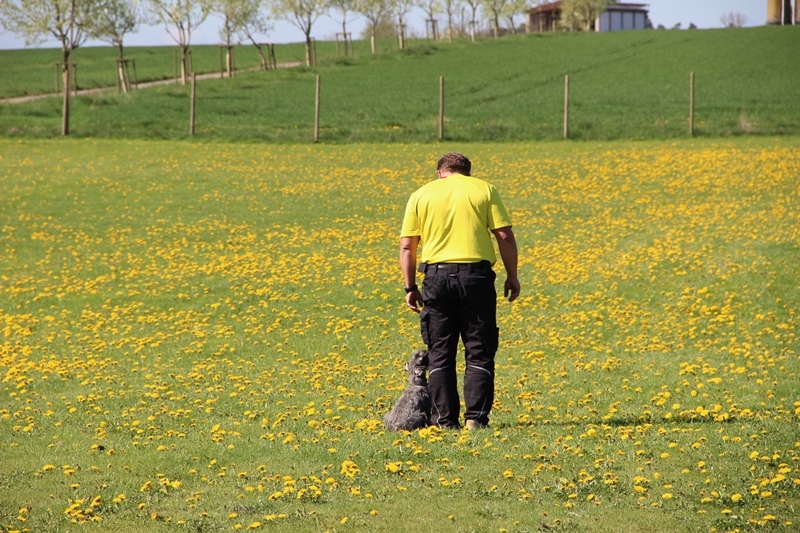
[[452, 220]]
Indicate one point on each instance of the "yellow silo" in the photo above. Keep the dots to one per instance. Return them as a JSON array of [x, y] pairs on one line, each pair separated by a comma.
[[774, 12]]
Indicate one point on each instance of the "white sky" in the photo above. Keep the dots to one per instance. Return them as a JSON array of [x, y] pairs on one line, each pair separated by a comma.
[[703, 13]]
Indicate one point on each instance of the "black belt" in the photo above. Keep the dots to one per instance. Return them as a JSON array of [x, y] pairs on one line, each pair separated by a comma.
[[451, 268]]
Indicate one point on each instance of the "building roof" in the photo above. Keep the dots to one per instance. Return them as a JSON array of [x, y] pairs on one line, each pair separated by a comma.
[[552, 7], [626, 7], [549, 7]]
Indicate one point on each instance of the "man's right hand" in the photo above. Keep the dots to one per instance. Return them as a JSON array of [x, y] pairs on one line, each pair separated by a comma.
[[511, 289]]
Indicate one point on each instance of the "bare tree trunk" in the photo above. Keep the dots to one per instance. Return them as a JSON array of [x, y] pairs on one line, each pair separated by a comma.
[[261, 57], [308, 50], [344, 33], [184, 72], [123, 79]]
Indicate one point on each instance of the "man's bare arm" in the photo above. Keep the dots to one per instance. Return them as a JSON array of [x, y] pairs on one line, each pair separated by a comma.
[[408, 265], [508, 253]]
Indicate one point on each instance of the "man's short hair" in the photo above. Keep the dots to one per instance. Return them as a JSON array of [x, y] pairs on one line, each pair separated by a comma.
[[455, 162]]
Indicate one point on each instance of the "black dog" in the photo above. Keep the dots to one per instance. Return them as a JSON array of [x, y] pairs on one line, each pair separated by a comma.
[[413, 408]]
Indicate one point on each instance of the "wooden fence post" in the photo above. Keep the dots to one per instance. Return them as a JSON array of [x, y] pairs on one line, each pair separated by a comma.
[[316, 111], [566, 107], [65, 110], [441, 108], [192, 108], [691, 104]]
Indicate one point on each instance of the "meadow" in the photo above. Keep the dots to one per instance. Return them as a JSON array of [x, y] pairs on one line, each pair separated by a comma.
[[623, 85], [206, 336], [31, 71]]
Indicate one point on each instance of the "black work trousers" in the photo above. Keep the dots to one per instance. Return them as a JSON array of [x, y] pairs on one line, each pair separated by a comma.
[[459, 302]]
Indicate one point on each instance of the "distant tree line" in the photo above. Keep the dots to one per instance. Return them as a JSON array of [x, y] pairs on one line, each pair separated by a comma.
[[73, 22]]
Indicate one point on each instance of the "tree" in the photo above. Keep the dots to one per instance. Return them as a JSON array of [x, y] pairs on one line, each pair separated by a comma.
[[473, 6], [579, 15], [112, 20], [401, 9], [431, 8], [242, 19], [179, 18], [511, 10], [301, 14], [496, 8], [342, 8], [66, 20], [375, 12], [450, 7], [250, 19], [733, 20], [35, 20]]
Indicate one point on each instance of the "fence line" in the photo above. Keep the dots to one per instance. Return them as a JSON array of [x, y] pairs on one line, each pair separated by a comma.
[[441, 117]]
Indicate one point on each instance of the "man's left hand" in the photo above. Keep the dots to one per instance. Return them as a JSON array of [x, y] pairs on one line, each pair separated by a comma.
[[414, 301]]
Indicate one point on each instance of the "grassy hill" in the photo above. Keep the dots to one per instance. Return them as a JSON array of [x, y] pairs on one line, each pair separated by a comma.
[[622, 85]]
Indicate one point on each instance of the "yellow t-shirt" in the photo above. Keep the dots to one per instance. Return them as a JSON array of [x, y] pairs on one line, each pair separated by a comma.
[[454, 216]]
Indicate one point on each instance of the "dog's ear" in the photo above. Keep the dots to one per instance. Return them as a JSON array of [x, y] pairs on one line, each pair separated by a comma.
[[422, 357]]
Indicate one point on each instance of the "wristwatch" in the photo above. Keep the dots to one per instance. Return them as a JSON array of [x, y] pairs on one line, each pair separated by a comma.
[[411, 288]]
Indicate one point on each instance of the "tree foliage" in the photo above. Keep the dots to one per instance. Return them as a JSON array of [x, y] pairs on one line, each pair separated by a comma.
[[340, 9], [496, 8], [111, 20], [401, 9], [512, 9], [36, 20], [579, 15], [242, 19], [179, 17], [379, 23], [733, 20], [302, 14], [431, 9], [474, 6]]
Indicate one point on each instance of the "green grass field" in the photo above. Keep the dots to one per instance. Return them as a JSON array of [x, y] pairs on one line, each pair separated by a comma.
[[206, 336], [625, 85], [32, 71]]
